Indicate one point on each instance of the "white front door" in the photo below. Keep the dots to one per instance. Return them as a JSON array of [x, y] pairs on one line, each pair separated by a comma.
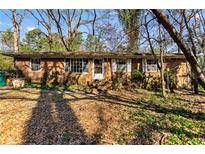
[[98, 69]]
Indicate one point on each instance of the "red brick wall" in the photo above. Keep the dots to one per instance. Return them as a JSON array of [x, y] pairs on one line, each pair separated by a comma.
[[54, 70], [107, 69]]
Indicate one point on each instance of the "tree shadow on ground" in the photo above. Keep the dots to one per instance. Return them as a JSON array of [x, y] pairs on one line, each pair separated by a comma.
[[54, 122], [149, 132], [137, 103]]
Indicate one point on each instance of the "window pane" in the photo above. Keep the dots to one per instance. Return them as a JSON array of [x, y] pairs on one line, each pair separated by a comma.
[[151, 62], [151, 66], [67, 65], [98, 66], [35, 64], [85, 65], [121, 65], [74, 65]]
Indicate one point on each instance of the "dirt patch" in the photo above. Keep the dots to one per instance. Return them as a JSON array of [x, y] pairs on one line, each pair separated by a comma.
[[32, 116]]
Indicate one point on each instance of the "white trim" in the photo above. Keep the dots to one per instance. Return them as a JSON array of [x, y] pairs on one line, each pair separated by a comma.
[[126, 65], [114, 66], [93, 69], [82, 65], [129, 65], [144, 66], [31, 67]]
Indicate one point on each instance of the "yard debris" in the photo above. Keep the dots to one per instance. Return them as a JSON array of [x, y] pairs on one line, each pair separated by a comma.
[[102, 86], [18, 83], [33, 116]]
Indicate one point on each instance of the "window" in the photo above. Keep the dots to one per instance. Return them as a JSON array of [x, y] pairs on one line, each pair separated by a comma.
[[98, 66], [121, 65], [76, 65], [35, 64], [150, 66], [85, 65]]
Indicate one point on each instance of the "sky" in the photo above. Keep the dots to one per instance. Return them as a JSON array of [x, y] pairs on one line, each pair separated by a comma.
[[107, 25], [29, 23]]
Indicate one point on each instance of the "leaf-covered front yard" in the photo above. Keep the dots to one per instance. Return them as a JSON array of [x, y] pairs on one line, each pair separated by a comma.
[[34, 116]]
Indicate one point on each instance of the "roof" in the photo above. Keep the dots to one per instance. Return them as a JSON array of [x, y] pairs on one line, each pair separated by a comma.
[[80, 54]]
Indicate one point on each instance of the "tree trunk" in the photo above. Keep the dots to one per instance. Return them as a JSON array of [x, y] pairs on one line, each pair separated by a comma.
[[162, 73], [196, 90], [162, 62], [182, 45], [194, 50], [50, 39], [15, 33]]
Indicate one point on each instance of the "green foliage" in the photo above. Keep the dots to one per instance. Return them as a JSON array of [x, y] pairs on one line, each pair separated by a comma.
[[196, 141], [77, 42], [168, 116], [118, 83], [6, 63], [35, 40], [130, 20], [201, 88], [137, 76], [143, 116], [25, 48], [152, 83], [92, 43], [7, 39], [174, 139], [170, 79], [121, 140]]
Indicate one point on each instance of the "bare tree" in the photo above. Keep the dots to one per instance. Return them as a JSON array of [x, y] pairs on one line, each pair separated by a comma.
[[162, 62], [17, 19], [44, 19], [130, 20], [193, 47], [15, 33], [69, 19], [159, 41], [178, 39]]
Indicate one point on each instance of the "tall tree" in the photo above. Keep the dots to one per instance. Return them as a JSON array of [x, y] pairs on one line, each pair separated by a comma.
[[162, 62], [130, 20], [16, 31], [17, 19], [67, 22], [162, 19], [193, 48], [43, 18], [7, 39], [158, 45], [35, 40]]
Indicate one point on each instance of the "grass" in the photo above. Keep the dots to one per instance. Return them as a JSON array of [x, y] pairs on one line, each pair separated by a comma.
[[168, 116]]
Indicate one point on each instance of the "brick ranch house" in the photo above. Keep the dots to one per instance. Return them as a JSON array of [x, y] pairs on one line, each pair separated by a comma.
[[84, 67]]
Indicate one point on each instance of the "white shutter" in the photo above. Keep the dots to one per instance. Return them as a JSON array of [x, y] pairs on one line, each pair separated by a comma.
[[114, 66], [129, 65]]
